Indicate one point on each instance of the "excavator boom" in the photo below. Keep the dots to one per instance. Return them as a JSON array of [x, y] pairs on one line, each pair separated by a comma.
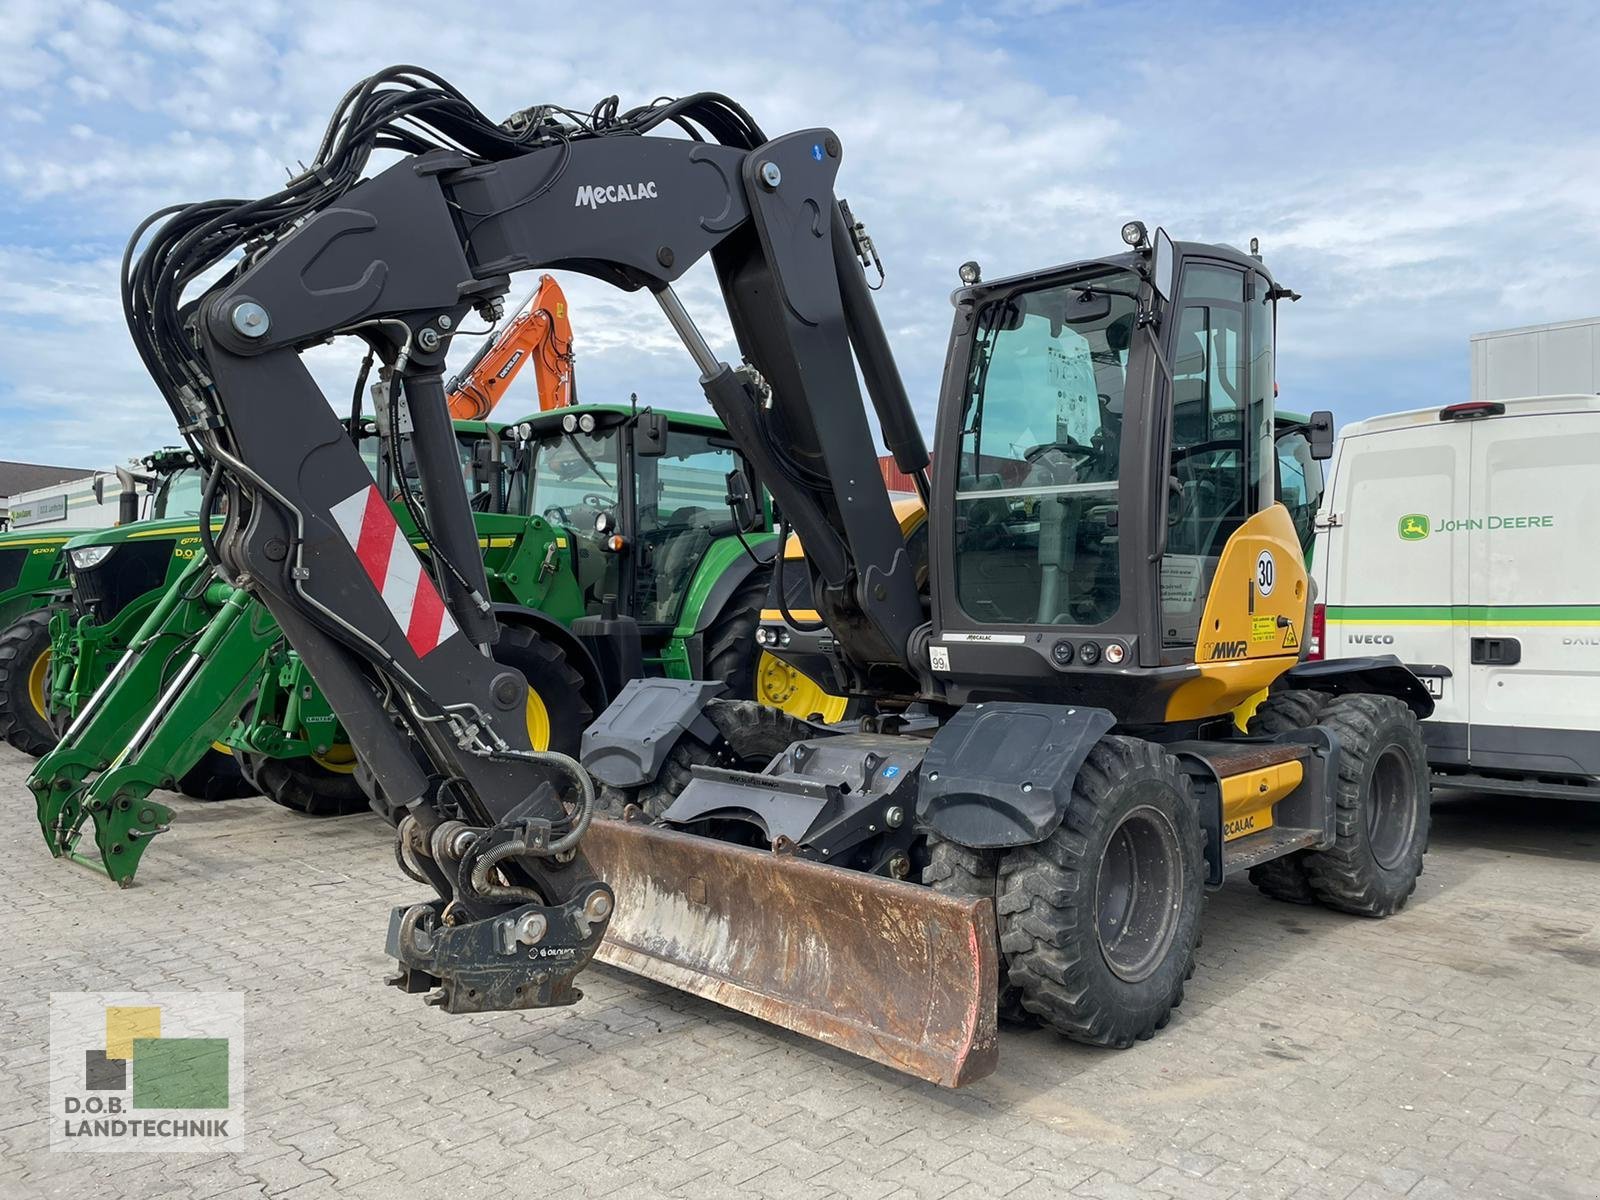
[[397, 260]]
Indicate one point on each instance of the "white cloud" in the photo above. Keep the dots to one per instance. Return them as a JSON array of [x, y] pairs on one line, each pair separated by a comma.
[[1416, 180]]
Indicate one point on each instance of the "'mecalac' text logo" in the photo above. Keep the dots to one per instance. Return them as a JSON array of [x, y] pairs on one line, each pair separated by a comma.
[[594, 195]]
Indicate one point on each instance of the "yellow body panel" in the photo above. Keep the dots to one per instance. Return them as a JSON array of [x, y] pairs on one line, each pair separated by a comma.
[[1248, 637], [1248, 798]]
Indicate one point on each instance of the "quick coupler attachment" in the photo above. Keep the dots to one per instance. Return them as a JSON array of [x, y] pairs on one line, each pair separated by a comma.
[[524, 957]]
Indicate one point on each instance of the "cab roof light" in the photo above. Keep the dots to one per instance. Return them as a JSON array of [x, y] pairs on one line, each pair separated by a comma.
[[1472, 410]]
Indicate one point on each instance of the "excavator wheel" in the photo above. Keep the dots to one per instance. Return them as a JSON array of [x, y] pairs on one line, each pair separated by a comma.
[[25, 684], [1382, 811], [957, 870], [217, 776], [1099, 922], [751, 735], [730, 641], [1285, 878]]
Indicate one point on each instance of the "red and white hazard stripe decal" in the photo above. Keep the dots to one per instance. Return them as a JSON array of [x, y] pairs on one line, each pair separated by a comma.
[[393, 567]]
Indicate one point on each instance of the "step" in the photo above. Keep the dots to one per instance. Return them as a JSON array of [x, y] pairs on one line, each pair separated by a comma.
[[1257, 848]]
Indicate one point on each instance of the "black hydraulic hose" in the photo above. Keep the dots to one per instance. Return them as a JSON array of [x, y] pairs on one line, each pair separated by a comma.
[[783, 598]]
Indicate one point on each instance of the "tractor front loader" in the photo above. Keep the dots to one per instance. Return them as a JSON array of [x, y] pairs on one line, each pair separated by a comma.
[[1048, 743], [580, 513]]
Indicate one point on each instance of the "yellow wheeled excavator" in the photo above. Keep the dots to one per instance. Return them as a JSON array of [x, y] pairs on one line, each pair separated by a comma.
[[1044, 776]]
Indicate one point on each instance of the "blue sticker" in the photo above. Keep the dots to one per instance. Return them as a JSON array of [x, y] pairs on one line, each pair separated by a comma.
[[816, 151], [890, 772]]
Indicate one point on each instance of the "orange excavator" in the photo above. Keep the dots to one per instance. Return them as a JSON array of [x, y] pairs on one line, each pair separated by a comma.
[[540, 331]]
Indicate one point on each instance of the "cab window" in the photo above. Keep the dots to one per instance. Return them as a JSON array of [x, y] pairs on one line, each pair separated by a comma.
[[682, 509], [1041, 433]]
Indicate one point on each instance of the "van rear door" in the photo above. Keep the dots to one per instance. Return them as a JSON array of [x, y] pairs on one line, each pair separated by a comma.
[[1534, 598], [1396, 565]]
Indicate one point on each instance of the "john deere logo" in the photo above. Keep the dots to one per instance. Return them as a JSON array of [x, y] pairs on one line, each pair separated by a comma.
[[1413, 527]]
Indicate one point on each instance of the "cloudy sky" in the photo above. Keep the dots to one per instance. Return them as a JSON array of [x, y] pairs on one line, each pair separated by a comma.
[[1419, 172]]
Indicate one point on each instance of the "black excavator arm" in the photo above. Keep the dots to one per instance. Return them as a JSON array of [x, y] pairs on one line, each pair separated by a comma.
[[399, 260]]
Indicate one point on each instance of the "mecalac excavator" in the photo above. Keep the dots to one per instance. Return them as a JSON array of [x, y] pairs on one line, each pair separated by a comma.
[[1047, 741]]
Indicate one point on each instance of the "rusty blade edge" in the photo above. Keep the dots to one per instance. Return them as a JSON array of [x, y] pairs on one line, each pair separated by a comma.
[[959, 944]]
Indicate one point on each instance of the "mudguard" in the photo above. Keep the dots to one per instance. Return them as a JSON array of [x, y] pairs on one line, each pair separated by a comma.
[[1000, 774], [627, 744], [1382, 675]]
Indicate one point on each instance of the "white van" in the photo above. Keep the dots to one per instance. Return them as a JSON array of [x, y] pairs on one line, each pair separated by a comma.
[[1462, 539]]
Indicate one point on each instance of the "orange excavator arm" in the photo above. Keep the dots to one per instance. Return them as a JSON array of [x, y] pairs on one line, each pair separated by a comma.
[[540, 333]]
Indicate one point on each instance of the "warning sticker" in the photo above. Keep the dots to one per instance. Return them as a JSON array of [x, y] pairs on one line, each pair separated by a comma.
[[1290, 641], [1263, 629]]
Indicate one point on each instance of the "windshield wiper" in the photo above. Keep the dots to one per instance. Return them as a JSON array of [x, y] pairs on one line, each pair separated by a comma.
[[584, 454]]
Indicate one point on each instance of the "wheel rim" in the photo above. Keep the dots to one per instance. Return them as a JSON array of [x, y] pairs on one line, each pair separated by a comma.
[[1391, 809], [1138, 892], [538, 721], [781, 686], [38, 679], [340, 759]]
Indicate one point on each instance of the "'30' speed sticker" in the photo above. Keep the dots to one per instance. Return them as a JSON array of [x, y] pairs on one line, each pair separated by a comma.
[[1266, 573]]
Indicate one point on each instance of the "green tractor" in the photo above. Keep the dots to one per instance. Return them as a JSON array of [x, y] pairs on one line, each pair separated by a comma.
[[33, 583], [35, 588], [619, 542]]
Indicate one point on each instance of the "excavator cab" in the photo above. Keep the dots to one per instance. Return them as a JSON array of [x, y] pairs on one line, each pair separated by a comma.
[[1101, 445]]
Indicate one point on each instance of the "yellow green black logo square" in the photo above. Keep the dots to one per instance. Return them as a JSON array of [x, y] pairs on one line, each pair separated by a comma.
[[1413, 527]]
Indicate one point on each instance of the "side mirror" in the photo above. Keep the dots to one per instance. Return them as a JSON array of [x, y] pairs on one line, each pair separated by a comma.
[[99, 489], [483, 463], [1164, 268], [650, 434], [1320, 435], [741, 501]]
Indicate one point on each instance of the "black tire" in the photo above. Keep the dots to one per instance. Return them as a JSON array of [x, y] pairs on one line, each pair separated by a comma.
[[304, 785], [957, 870], [217, 776], [1131, 844], [1382, 808], [1285, 878], [21, 648], [750, 734], [731, 652], [552, 678]]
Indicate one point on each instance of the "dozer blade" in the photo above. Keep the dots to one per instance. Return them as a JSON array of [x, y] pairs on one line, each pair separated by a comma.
[[891, 971]]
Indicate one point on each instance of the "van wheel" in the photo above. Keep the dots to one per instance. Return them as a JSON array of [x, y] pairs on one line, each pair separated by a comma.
[[1382, 808], [25, 683], [1285, 878], [956, 870], [1099, 922]]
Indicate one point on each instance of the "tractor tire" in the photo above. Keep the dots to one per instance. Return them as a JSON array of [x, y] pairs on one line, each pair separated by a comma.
[[25, 684], [1099, 922], [1383, 798], [956, 870], [731, 653], [557, 712], [217, 776], [304, 785], [751, 734], [1285, 878]]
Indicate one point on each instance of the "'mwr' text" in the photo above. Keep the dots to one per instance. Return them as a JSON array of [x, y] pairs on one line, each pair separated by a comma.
[[594, 196]]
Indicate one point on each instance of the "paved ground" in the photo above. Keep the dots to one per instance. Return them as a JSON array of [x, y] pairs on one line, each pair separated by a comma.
[[1453, 1051]]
